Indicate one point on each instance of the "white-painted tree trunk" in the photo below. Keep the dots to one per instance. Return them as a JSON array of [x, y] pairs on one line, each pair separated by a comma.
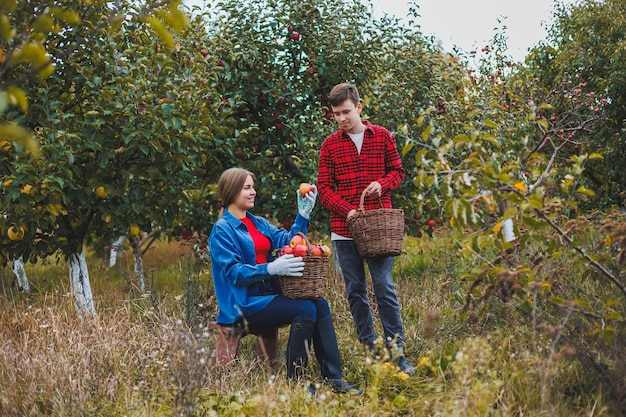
[[116, 250], [20, 274], [80, 285], [139, 273], [507, 228]]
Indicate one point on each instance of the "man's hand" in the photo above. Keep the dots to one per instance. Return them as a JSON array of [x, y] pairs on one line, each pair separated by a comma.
[[350, 213], [374, 190]]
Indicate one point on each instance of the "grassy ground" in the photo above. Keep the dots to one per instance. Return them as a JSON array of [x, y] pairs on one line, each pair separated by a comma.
[[148, 354]]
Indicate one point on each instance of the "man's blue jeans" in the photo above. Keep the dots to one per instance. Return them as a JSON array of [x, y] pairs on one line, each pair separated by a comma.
[[353, 269]]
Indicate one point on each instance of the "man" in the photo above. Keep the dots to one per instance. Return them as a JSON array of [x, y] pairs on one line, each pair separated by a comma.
[[362, 156]]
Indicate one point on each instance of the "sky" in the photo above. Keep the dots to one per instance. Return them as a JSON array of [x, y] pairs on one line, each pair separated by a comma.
[[469, 24]]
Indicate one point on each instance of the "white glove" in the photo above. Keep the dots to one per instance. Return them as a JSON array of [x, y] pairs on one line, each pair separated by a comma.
[[286, 266], [306, 203]]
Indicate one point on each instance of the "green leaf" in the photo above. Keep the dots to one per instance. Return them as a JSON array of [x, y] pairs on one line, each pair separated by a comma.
[[586, 191], [161, 31], [407, 148], [6, 31], [17, 97], [487, 137], [43, 24], [8, 5], [608, 334], [426, 133], [462, 138], [525, 307], [490, 124], [532, 223], [612, 315], [65, 15], [557, 300]]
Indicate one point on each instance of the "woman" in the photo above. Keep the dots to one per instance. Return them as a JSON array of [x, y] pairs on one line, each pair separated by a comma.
[[245, 272]]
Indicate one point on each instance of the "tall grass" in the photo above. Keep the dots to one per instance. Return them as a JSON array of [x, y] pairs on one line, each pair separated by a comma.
[[149, 354]]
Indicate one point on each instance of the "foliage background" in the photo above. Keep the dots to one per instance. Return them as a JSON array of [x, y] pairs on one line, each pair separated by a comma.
[[119, 117]]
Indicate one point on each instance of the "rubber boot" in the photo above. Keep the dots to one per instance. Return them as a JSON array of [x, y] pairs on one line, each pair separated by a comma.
[[298, 347], [327, 354]]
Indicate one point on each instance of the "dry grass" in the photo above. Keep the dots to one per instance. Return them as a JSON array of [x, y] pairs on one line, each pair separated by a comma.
[[140, 358]]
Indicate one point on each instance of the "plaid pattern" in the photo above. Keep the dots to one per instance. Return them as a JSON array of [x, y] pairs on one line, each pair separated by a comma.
[[344, 173]]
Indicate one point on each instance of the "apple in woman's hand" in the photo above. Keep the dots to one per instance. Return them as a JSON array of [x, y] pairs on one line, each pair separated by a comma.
[[305, 188]]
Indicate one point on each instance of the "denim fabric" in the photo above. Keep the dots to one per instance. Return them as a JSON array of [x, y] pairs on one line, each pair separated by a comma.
[[282, 310], [234, 267], [353, 270]]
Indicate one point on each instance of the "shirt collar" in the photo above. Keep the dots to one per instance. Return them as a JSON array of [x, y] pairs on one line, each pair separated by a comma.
[[232, 220]]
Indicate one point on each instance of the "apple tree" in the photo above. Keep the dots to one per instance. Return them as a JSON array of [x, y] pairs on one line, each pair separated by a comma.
[[507, 147], [117, 145], [586, 40], [278, 61]]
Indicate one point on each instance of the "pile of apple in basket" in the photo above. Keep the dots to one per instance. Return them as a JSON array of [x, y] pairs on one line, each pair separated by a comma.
[[315, 257]]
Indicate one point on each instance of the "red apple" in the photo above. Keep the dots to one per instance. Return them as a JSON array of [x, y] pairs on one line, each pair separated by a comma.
[[300, 250], [204, 52], [295, 36], [431, 223], [305, 188], [286, 250], [282, 101], [316, 251], [297, 240], [279, 126]]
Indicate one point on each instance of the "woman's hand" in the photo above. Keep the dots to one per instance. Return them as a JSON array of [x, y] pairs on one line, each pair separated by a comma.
[[286, 266], [306, 202]]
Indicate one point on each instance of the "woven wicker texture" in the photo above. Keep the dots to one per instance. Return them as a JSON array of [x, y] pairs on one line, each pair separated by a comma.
[[311, 283], [377, 232]]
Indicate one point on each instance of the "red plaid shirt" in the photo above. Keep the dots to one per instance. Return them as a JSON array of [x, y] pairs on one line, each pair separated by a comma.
[[344, 173]]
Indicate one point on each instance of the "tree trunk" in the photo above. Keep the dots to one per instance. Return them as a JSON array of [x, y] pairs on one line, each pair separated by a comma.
[[81, 288], [20, 274], [139, 265], [507, 229], [116, 250]]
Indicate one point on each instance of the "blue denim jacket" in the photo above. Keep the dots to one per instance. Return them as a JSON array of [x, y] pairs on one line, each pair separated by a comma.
[[233, 263]]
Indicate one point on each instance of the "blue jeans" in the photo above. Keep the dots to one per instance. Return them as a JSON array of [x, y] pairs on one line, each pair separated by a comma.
[[353, 270], [282, 310]]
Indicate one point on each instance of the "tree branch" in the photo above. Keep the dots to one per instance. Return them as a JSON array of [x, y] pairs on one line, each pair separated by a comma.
[[583, 253]]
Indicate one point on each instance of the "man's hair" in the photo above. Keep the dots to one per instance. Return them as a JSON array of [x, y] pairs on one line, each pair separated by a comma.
[[231, 183], [342, 92]]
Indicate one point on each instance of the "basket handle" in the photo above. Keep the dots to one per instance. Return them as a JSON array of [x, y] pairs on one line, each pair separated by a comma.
[[306, 240], [362, 203]]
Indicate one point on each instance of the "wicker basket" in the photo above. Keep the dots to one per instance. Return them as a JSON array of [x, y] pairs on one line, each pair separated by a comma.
[[377, 232], [311, 283]]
